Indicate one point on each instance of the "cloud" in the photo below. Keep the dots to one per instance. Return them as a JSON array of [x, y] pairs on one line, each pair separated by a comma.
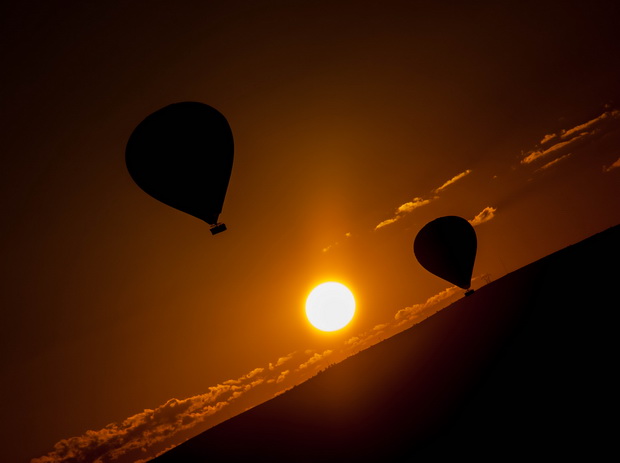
[[314, 359], [570, 137], [534, 155], [615, 165], [253, 373], [484, 216], [410, 313], [281, 361], [417, 202], [547, 138], [595, 121], [337, 243], [454, 179], [411, 205], [555, 161], [139, 432], [283, 376], [154, 431], [387, 222], [404, 209]]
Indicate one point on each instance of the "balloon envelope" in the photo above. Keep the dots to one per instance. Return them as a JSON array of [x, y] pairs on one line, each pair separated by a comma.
[[446, 247], [182, 155]]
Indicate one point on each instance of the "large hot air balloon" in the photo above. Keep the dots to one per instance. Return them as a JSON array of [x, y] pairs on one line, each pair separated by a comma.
[[182, 155], [446, 247]]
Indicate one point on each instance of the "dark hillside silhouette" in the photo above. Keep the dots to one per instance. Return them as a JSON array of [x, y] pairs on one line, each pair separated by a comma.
[[523, 368]]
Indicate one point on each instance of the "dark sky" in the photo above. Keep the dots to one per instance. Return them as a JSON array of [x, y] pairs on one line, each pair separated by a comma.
[[350, 120]]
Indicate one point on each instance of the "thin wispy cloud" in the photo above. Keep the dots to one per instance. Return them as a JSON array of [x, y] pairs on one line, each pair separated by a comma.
[[417, 202], [485, 215], [337, 243], [387, 222], [281, 361], [403, 210], [316, 357], [554, 162], [454, 179], [380, 327], [547, 138], [282, 376], [575, 136], [411, 205], [586, 125], [536, 154], [615, 165], [411, 313]]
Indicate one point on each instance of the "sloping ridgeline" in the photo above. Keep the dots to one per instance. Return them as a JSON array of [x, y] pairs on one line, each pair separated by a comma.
[[522, 368]]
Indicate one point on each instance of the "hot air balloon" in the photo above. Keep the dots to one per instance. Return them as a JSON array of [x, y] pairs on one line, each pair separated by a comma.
[[182, 155], [446, 247]]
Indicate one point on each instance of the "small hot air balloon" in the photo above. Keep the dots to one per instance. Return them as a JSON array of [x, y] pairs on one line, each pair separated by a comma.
[[182, 155], [446, 247]]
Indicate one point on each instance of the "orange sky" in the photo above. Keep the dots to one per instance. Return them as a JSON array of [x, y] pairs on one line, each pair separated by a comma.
[[355, 123]]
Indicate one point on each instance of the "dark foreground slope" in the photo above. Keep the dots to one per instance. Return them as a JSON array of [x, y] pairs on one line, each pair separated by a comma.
[[524, 367]]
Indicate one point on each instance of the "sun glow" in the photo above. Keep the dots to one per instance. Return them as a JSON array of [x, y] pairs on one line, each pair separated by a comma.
[[330, 306]]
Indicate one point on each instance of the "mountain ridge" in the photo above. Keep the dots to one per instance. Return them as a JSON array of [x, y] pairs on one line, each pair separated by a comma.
[[515, 369]]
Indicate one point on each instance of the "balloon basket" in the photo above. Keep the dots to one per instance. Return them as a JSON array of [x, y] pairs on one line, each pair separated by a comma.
[[217, 228]]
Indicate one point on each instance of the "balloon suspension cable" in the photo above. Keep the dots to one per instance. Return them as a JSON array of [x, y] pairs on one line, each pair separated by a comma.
[[217, 228]]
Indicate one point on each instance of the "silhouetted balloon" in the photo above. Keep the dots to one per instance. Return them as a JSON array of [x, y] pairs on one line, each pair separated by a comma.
[[446, 247], [182, 155]]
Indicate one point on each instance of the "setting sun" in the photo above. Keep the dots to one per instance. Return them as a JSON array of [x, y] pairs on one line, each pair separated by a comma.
[[330, 306]]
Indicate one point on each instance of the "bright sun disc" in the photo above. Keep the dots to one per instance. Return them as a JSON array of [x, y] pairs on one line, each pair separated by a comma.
[[330, 306]]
